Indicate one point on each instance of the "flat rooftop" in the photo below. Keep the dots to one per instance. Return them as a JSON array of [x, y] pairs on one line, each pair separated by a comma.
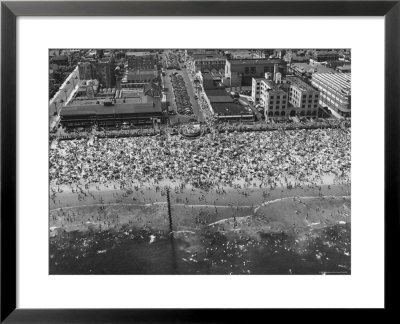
[[88, 102], [209, 58], [218, 96], [229, 109], [310, 68], [300, 84], [139, 53], [139, 75], [326, 52], [118, 108], [257, 61], [275, 88], [339, 81]]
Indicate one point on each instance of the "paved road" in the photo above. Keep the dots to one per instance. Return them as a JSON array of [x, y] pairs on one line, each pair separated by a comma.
[[64, 92], [170, 92], [190, 90]]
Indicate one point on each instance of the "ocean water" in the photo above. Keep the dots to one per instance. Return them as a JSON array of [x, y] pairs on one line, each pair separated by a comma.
[[204, 251]]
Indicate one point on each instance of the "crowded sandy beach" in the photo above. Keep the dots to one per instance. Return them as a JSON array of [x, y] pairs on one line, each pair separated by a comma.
[[237, 186]]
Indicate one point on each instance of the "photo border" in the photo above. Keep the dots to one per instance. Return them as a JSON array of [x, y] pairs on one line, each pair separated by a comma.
[[9, 13]]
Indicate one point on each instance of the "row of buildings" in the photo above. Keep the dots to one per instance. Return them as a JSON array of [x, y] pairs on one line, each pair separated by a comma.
[[291, 95], [121, 90], [129, 87], [282, 98], [281, 87]]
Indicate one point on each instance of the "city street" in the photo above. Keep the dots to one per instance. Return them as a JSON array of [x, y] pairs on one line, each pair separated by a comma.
[[170, 92], [64, 92], [63, 95], [190, 91]]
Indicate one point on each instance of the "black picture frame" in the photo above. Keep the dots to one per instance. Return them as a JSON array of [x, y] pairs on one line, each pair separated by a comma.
[[11, 10]]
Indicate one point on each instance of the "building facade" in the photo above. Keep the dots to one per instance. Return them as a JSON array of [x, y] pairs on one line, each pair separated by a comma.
[[335, 91], [214, 64], [325, 56], [105, 72], [274, 99], [112, 113], [102, 70], [303, 97], [86, 70], [141, 60], [282, 98]]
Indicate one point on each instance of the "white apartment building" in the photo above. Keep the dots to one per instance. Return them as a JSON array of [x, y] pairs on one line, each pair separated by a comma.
[[270, 95], [303, 98], [284, 98]]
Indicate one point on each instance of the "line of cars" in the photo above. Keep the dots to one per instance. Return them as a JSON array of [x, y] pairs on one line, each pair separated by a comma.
[[182, 99]]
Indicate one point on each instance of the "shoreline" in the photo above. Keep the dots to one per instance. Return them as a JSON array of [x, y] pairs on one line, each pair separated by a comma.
[[147, 208]]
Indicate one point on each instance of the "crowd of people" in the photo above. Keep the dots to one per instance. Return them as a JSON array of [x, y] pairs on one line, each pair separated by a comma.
[[210, 125], [262, 157]]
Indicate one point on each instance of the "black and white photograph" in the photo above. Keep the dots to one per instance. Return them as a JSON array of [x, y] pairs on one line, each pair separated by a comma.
[[207, 161]]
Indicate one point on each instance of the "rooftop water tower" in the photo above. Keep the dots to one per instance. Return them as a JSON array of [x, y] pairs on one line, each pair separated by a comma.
[[278, 78]]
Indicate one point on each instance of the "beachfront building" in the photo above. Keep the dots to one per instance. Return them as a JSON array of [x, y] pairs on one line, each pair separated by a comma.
[[282, 98], [335, 91], [225, 108], [271, 95], [303, 98], [114, 107], [274, 99], [112, 112]]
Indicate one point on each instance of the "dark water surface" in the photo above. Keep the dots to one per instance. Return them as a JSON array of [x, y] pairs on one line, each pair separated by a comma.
[[206, 251]]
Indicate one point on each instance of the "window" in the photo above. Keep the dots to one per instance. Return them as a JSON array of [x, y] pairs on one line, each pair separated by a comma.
[[268, 69], [253, 70], [246, 70]]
